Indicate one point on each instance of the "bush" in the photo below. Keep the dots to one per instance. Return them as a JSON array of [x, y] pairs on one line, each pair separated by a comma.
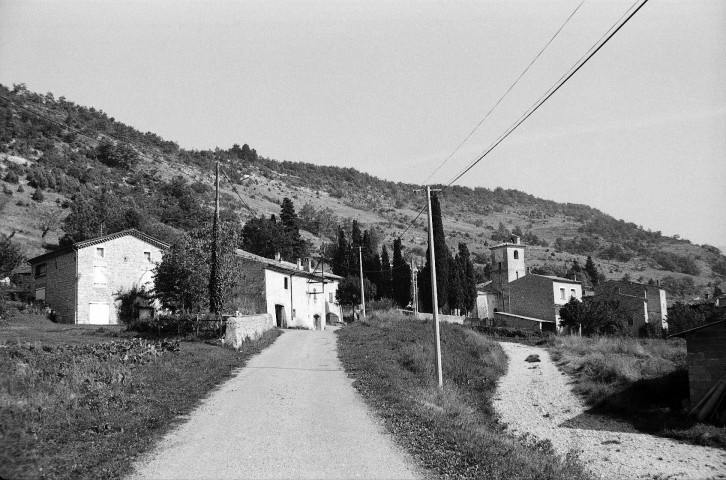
[[38, 195], [383, 304], [20, 188], [12, 177], [205, 325]]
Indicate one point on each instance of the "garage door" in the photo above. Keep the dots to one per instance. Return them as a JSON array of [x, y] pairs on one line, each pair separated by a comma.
[[98, 313]]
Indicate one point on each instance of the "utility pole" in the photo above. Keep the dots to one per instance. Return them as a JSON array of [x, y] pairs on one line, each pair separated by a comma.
[[434, 295], [362, 289], [414, 284], [215, 300]]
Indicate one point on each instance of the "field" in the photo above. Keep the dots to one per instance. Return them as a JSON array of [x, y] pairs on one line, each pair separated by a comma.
[[453, 432], [84, 402], [644, 381]]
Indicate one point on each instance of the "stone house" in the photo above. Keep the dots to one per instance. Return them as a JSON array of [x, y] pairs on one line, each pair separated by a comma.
[[80, 282], [516, 298], [295, 294], [706, 360], [646, 303]]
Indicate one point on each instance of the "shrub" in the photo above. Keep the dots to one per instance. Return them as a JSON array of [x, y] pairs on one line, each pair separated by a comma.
[[38, 195], [12, 177], [205, 325], [20, 188]]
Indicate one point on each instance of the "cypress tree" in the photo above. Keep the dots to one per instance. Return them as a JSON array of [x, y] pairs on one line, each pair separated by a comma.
[[441, 254], [456, 291], [401, 276], [385, 288], [293, 244], [340, 256], [469, 278], [591, 270], [375, 274]]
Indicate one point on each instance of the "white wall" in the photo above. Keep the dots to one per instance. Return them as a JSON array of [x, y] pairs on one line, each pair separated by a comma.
[[301, 304], [556, 286]]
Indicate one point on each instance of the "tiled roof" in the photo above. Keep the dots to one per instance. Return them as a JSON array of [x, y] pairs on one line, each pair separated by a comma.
[[94, 241], [285, 266]]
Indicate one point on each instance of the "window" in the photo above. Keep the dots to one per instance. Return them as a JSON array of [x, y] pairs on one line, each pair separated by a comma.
[[573, 294], [517, 275], [516, 254], [285, 283], [100, 251], [562, 293], [41, 270], [330, 297], [500, 267], [99, 275], [147, 256]]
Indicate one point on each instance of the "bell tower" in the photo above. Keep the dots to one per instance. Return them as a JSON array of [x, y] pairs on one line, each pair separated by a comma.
[[507, 263]]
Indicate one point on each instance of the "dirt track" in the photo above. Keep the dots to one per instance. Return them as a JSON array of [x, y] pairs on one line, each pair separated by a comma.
[[290, 413], [535, 398]]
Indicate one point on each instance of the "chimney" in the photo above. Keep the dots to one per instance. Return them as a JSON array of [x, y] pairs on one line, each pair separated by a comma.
[[299, 264], [277, 256], [516, 240], [309, 264]]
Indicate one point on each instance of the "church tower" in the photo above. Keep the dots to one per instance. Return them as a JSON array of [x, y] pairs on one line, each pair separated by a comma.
[[507, 263]]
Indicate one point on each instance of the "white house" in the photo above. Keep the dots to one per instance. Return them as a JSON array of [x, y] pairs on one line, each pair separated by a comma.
[[296, 295]]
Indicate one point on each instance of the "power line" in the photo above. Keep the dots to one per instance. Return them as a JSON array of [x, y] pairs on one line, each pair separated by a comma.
[[579, 64], [505, 93], [594, 49]]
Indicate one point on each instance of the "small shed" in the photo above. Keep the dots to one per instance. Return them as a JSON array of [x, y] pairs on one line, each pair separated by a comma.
[[706, 359]]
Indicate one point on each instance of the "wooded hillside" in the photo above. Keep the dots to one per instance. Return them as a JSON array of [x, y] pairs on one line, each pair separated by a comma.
[[59, 159]]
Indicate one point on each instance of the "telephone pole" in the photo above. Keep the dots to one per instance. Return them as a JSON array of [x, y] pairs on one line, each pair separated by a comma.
[[215, 301], [362, 289], [414, 285], [434, 295]]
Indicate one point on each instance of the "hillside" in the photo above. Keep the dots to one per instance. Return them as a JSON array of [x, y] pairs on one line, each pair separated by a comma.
[[78, 155]]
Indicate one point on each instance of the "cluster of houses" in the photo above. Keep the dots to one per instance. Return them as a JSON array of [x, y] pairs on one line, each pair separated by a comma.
[[515, 297], [81, 282]]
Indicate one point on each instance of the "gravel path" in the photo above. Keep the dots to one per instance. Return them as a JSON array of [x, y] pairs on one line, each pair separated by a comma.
[[290, 413], [535, 398]]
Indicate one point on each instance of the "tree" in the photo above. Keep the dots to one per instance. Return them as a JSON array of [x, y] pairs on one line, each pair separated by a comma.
[[181, 279], [385, 287], [441, 254], [38, 195], [683, 317], [262, 236], [341, 255], [572, 314], [293, 246], [119, 156], [469, 278], [11, 255], [401, 276], [348, 292], [47, 220], [456, 289], [591, 270]]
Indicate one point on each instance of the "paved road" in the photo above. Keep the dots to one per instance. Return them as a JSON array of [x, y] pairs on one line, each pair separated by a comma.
[[290, 413]]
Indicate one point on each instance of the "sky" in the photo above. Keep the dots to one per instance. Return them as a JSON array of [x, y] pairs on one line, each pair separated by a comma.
[[392, 87]]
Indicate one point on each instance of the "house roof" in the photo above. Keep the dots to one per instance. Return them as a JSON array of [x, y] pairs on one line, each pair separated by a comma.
[[557, 279], [508, 244], [94, 241], [281, 265], [685, 333]]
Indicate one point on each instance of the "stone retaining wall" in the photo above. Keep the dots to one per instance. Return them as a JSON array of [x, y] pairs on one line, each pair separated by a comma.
[[245, 327]]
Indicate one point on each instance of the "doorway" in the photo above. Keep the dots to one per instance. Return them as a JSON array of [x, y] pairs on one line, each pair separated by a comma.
[[280, 316]]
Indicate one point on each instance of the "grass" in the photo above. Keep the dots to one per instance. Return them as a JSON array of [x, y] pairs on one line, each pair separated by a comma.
[[84, 403], [643, 381], [452, 432]]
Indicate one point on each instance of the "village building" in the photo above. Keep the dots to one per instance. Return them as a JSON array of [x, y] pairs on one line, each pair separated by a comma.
[[297, 295], [645, 303], [517, 298], [80, 282], [706, 360]]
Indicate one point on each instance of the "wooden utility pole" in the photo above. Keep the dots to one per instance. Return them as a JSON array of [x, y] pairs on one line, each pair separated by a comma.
[[362, 289], [434, 294], [215, 294], [414, 286]]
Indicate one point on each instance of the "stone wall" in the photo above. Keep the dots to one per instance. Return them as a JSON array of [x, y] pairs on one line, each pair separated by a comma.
[[442, 318], [246, 327], [502, 319], [706, 359], [59, 282]]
